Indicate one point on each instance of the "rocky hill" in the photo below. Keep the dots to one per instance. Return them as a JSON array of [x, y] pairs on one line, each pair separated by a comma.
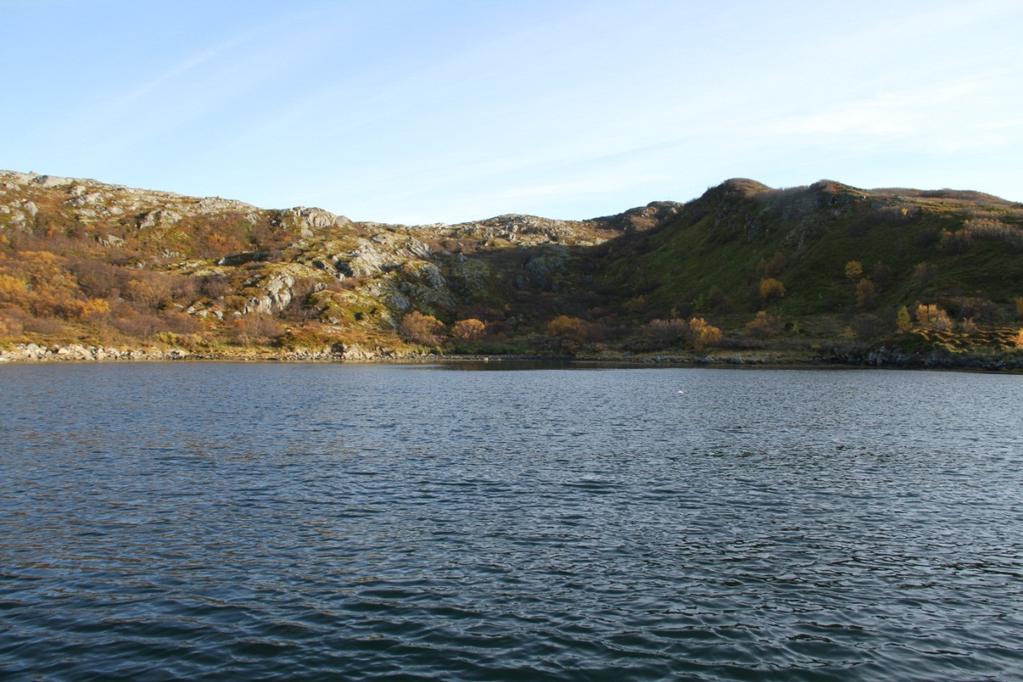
[[821, 272]]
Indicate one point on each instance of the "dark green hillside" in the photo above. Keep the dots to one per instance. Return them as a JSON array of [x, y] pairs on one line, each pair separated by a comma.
[[913, 246]]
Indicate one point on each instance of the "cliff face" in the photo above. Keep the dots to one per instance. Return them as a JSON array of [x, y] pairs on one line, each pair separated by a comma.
[[103, 270]]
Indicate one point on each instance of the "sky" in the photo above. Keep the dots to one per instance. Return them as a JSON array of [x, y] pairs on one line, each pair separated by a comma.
[[443, 111]]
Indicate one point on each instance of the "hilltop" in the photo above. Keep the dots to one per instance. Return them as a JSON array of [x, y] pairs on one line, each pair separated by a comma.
[[825, 272]]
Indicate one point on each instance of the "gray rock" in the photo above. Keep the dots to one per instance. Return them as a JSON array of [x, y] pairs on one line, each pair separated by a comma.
[[52, 181]]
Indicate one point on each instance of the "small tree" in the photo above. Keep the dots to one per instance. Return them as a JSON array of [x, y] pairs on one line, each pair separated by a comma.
[[422, 329], [930, 316], [854, 270], [866, 294], [570, 332], [771, 288], [469, 329], [902, 320]]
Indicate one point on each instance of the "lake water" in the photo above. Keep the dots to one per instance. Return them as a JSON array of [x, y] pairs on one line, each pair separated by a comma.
[[221, 521]]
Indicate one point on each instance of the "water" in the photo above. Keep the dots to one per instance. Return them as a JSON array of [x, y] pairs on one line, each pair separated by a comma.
[[322, 521]]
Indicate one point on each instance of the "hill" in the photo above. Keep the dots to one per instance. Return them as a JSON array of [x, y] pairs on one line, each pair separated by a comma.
[[826, 272]]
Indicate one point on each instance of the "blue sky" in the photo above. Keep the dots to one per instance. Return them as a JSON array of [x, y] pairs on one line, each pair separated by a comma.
[[444, 111]]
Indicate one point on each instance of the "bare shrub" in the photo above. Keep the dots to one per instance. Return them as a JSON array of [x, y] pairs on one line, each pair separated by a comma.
[[131, 322], [665, 333], [47, 326], [255, 329], [97, 278], [422, 329], [866, 294], [214, 286]]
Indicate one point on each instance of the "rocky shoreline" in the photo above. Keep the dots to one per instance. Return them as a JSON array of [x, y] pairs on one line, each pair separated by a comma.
[[32, 352], [341, 353]]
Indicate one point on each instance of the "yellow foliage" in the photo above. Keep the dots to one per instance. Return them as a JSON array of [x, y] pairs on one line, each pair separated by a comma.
[[854, 269], [903, 320], [930, 316], [1019, 339], [94, 307], [703, 333], [12, 288], [771, 288]]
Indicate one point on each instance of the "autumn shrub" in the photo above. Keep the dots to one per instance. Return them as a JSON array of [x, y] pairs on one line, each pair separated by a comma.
[[992, 229], [866, 294], [1019, 307], [149, 289], [423, 329], [665, 333], [702, 334], [854, 270], [770, 289], [469, 329], [930, 316], [764, 325], [47, 326], [568, 332], [11, 321], [255, 329], [214, 287], [98, 279], [1019, 339], [140, 325]]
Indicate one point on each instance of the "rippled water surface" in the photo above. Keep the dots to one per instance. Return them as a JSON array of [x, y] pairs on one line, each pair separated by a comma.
[[259, 521]]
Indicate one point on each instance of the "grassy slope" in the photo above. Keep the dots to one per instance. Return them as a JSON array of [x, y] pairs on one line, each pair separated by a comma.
[[723, 237]]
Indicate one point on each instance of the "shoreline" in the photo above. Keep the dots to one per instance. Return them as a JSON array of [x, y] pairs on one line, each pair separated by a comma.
[[29, 354]]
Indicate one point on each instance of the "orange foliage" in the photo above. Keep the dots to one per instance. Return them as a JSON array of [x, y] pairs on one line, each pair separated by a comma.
[[567, 327], [771, 288], [469, 329]]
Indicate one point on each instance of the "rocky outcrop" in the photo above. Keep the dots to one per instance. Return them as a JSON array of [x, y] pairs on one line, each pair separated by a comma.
[[31, 352]]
